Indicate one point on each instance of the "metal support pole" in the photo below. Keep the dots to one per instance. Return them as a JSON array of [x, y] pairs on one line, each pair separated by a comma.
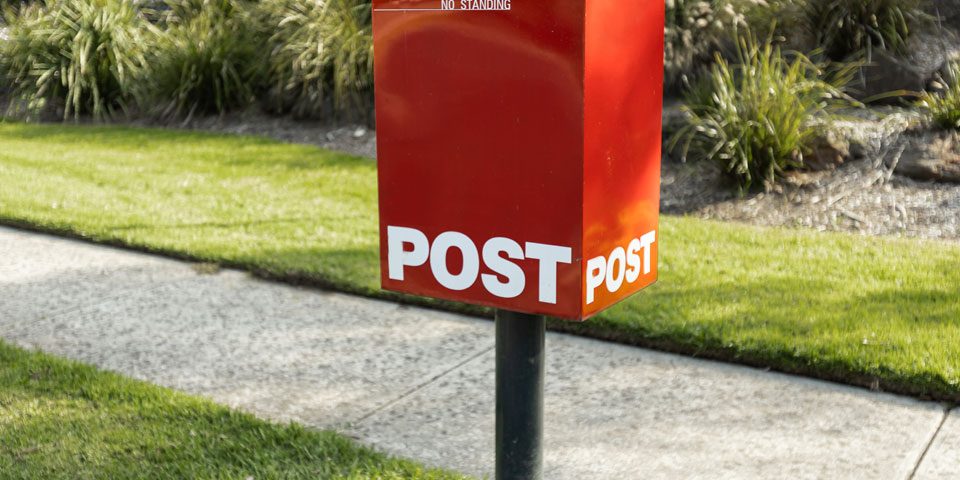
[[520, 354]]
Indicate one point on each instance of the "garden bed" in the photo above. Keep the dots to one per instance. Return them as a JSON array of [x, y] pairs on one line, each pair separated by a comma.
[[867, 193], [857, 197]]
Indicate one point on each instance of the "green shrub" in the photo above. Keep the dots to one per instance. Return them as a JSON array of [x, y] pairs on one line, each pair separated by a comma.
[[298, 60], [14, 5], [944, 107], [81, 54], [847, 28], [351, 37], [5, 4], [755, 117], [693, 33], [319, 50], [180, 12], [696, 30], [204, 61]]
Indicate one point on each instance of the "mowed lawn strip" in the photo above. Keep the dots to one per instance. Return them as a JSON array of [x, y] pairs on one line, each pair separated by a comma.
[[60, 419], [874, 312]]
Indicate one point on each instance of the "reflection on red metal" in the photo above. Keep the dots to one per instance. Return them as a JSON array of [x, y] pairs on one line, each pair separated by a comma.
[[519, 150]]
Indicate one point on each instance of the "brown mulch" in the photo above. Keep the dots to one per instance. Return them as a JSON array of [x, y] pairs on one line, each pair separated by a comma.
[[857, 197], [864, 195]]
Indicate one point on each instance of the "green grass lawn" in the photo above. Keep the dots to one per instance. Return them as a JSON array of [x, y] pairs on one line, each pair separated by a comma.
[[60, 419], [862, 310]]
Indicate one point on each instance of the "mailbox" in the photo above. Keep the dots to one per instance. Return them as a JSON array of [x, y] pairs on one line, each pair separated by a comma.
[[519, 150]]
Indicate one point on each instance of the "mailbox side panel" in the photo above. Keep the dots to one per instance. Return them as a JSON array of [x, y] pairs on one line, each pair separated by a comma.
[[479, 126], [622, 124]]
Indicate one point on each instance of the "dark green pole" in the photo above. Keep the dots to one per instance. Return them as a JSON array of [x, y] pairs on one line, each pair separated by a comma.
[[520, 353]]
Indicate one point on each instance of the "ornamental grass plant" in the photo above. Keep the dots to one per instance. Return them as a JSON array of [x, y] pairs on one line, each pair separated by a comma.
[[321, 56], [694, 32], [350, 34], [298, 73], [755, 117], [944, 106], [856, 28], [205, 59], [80, 56]]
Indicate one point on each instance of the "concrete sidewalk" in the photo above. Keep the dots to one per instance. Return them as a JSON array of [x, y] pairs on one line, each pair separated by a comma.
[[419, 383]]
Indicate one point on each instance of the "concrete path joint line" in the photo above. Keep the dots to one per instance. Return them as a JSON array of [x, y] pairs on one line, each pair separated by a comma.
[[926, 449], [423, 385]]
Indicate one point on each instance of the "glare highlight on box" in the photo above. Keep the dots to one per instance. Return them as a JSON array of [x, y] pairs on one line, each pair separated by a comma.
[[519, 150]]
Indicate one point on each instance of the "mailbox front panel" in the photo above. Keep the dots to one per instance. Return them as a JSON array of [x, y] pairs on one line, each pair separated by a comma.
[[480, 151]]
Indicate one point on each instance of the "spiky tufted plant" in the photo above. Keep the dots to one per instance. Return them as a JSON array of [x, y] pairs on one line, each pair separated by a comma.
[[320, 55], [206, 58], [81, 55], [944, 106], [755, 117], [846, 28]]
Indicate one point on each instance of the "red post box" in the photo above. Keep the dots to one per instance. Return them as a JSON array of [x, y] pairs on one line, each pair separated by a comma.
[[519, 150]]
